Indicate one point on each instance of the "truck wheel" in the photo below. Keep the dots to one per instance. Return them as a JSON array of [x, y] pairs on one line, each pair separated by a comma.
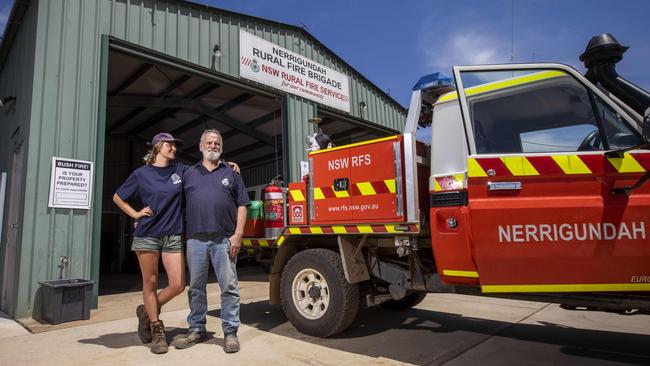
[[315, 295], [407, 302]]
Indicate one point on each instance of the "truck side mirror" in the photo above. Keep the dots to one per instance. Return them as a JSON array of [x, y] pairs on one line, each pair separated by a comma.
[[646, 126]]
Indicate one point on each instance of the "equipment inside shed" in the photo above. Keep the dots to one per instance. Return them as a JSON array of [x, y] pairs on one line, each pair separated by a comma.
[[145, 97]]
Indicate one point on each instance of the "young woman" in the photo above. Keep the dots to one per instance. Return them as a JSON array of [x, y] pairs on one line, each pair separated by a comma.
[[157, 234]]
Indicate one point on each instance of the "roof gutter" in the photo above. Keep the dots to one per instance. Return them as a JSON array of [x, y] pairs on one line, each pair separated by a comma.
[[11, 29]]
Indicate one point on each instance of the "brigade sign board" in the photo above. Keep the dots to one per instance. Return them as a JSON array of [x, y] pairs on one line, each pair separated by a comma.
[[277, 67], [70, 183]]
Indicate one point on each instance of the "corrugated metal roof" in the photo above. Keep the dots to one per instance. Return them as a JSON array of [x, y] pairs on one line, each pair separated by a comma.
[[20, 6]]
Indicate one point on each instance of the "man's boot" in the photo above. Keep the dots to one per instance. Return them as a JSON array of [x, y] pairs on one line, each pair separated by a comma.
[[231, 343], [144, 333], [158, 339], [191, 338]]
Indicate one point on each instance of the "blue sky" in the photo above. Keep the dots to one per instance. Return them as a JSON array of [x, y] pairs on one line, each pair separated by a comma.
[[393, 43]]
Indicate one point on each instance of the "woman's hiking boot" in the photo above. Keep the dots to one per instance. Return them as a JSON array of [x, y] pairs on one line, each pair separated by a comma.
[[158, 339], [144, 333]]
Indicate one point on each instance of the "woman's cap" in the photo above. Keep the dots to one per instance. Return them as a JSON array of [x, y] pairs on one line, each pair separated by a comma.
[[164, 137]]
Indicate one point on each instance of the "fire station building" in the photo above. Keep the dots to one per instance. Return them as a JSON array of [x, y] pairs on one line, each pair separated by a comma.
[[85, 84]]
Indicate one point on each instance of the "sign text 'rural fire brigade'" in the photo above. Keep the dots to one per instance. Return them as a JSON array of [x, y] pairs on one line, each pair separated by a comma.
[[269, 64]]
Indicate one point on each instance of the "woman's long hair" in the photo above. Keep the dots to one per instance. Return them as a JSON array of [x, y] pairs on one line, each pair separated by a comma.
[[150, 158]]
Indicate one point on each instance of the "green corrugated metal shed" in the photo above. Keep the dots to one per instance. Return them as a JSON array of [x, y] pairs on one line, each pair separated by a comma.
[[53, 59]]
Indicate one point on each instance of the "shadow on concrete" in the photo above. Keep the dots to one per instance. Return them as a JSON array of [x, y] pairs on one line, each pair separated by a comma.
[[427, 337], [130, 339]]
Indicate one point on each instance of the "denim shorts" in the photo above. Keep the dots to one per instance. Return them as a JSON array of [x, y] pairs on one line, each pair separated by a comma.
[[167, 244]]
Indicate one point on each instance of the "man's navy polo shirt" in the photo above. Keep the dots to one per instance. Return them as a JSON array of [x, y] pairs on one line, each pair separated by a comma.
[[161, 189], [212, 199]]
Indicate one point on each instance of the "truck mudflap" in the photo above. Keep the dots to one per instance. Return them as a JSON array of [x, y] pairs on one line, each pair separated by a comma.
[[353, 229]]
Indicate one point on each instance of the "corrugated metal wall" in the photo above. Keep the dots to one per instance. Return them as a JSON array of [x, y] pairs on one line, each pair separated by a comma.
[[261, 174], [298, 112], [66, 103], [16, 80], [63, 123]]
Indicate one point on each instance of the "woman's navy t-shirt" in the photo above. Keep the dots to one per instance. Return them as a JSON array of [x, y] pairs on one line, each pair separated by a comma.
[[161, 189]]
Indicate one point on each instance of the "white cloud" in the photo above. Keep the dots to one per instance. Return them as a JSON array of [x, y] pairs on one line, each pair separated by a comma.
[[466, 41]]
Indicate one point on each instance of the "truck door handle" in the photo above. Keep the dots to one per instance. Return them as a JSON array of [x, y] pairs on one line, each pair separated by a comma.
[[503, 186]]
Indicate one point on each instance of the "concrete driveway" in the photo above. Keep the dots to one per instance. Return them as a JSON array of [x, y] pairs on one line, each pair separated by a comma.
[[444, 329]]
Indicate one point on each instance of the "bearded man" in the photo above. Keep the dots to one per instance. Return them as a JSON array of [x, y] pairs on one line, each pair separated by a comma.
[[216, 200]]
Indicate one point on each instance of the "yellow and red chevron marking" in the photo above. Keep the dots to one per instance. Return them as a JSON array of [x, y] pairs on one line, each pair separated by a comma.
[[449, 182], [353, 229], [257, 242], [518, 166], [356, 189], [296, 195], [333, 229]]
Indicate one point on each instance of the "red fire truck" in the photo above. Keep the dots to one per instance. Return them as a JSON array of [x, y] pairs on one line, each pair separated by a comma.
[[531, 186]]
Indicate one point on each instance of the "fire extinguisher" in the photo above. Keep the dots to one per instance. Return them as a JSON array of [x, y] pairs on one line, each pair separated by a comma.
[[273, 208]]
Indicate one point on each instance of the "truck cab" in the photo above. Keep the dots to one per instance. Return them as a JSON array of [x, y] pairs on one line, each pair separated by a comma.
[[538, 155]]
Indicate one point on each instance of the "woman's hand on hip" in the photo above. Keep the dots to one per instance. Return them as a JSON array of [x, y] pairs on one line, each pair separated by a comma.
[[144, 212]]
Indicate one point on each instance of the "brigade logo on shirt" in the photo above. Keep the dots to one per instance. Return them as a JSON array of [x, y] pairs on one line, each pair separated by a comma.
[[225, 182], [176, 178]]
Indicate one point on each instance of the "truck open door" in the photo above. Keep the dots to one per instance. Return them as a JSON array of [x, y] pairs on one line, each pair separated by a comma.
[[545, 214]]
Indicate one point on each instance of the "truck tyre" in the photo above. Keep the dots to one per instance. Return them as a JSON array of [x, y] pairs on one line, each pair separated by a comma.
[[407, 302], [315, 295]]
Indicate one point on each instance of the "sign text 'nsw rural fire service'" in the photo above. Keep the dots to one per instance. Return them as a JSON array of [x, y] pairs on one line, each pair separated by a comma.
[[277, 67]]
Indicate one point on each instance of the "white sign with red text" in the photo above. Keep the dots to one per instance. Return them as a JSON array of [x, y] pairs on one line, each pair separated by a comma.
[[277, 67]]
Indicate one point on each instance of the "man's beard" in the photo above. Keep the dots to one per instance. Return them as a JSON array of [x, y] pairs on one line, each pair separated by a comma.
[[211, 155]]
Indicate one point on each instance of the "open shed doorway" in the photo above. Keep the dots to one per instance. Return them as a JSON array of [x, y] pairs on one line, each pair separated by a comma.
[[343, 130], [146, 97]]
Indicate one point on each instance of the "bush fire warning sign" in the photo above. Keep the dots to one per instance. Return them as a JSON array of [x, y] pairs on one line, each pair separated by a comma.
[[71, 183]]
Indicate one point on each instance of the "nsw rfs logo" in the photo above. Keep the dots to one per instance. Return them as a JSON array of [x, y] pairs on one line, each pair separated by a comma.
[[225, 182], [297, 215], [255, 66], [176, 178]]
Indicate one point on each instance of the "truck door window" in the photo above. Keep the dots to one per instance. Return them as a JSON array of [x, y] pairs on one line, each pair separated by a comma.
[[532, 111], [559, 139], [619, 134]]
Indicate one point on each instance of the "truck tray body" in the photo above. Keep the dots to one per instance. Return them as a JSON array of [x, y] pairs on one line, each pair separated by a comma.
[[357, 183]]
